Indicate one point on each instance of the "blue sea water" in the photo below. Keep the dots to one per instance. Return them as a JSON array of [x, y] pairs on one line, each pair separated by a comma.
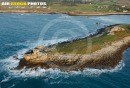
[[21, 32]]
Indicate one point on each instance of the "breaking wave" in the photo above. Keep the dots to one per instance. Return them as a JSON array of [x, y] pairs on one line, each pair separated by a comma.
[[32, 44], [5, 79], [9, 63]]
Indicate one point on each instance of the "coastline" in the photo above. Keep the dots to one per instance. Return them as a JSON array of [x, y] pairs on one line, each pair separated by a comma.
[[106, 58], [68, 13]]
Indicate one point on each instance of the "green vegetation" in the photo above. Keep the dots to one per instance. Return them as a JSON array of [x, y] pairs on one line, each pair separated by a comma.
[[90, 6], [98, 7], [127, 27], [80, 7], [81, 46]]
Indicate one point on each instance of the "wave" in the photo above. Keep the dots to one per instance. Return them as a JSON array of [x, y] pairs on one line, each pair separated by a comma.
[[32, 44], [97, 72], [56, 73], [10, 63], [50, 42], [5, 79], [51, 73], [12, 86]]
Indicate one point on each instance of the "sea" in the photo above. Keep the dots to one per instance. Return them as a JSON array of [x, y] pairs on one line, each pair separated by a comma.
[[22, 32]]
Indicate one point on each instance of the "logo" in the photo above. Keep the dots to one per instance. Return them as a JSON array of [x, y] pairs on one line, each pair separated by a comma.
[[23, 3]]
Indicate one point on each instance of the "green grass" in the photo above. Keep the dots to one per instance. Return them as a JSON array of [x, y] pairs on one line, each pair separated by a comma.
[[74, 8], [98, 7], [82, 46], [79, 7], [108, 6], [127, 27], [106, 3]]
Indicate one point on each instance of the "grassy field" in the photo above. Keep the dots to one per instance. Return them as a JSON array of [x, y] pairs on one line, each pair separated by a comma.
[[82, 46], [79, 7], [99, 7]]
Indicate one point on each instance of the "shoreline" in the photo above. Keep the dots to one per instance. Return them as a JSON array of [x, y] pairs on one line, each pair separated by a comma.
[[67, 13], [105, 58]]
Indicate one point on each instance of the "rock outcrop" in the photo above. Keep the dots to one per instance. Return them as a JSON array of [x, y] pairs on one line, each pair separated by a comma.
[[106, 58], [116, 29]]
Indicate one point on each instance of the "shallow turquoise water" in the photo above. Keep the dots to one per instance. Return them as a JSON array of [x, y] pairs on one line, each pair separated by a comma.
[[21, 32]]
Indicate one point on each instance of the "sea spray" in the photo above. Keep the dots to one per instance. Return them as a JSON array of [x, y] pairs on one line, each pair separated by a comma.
[[52, 73]]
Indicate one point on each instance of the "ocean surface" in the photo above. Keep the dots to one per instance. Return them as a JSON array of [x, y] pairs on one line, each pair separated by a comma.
[[21, 32]]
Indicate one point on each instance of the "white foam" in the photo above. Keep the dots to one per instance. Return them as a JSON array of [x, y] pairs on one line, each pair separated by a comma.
[[97, 72], [49, 73], [32, 44], [12, 86], [56, 73], [50, 42], [65, 16], [12, 62], [5, 80]]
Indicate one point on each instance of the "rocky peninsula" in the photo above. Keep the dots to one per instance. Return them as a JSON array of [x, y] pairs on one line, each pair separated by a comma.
[[108, 45]]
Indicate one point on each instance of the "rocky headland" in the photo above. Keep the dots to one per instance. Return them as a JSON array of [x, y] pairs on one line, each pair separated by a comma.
[[105, 57]]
